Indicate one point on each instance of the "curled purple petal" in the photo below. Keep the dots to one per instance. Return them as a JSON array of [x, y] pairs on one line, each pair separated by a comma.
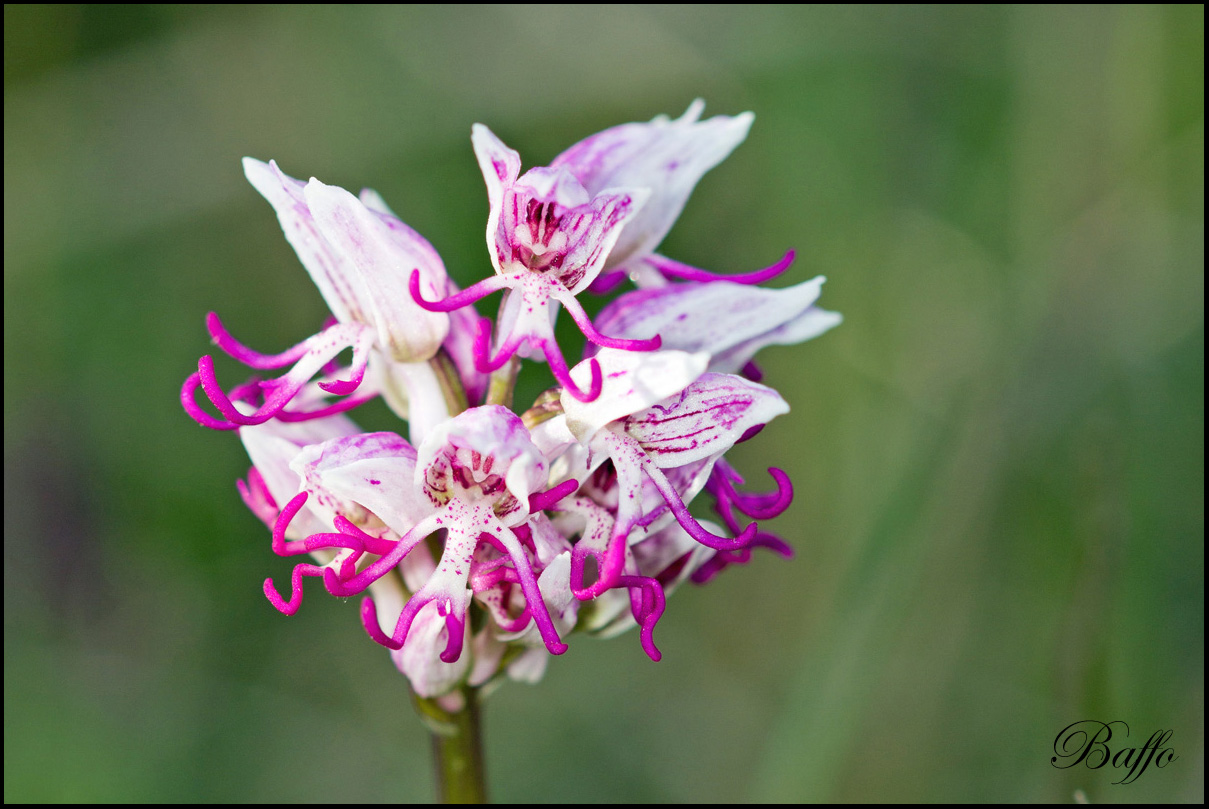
[[558, 366], [290, 607], [760, 506], [651, 603], [278, 392], [281, 546], [609, 563], [544, 500], [683, 272], [484, 363], [189, 403], [723, 559], [342, 406], [253, 359], [689, 523], [584, 322], [459, 299]]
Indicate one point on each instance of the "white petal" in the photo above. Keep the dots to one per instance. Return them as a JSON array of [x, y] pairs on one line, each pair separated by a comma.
[[669, 157], [729, 321], [272, 447], [373, 471], [383, 252], [500, 166], [420, 657], [632, 381], [706, 419], [328, 267], [487, 440]]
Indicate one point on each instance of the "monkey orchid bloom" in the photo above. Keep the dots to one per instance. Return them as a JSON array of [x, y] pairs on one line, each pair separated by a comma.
[[548, 240], [730, 322], [483, 539], [654, 439], [474, 477], [360, 256]]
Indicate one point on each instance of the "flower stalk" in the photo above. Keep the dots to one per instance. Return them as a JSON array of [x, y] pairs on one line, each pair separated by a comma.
[[457, 748]]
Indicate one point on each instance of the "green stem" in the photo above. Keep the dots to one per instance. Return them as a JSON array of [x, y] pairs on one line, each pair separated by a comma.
[[503, 383], [457, 749], [451, 382]]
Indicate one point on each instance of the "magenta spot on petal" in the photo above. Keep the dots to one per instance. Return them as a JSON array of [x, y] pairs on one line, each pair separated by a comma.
[[373, 482]]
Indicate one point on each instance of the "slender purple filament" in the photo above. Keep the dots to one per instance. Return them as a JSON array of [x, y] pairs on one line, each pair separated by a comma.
[[576, 310], [647, 609], [544, 500], [188, 390], [686, 520], [467, 296], [558, 366], [484, 363], [341, 406], [281, 546], [609, 563], [760, 506], [290, 607], [723, 559], [684, 272], [606, 282], [253, 359]]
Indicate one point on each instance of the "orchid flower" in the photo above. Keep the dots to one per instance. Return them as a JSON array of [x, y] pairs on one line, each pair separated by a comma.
[[483, 539], [644, 431], [473, 478], [548, 240], [730, 322], [360, 256]]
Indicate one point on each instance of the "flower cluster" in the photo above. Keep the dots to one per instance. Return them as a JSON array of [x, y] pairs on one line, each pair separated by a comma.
[[485, 537]]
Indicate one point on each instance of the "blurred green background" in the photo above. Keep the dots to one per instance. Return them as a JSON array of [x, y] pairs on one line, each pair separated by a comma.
[[998, 456]]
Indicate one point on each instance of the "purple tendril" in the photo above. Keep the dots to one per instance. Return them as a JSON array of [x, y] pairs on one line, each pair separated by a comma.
[[723, 559], [253, 359], [544, 500], [467, 296], [683, 272], [760, 506], [558, 366], [647, 607], [290, 607], [689, 523]]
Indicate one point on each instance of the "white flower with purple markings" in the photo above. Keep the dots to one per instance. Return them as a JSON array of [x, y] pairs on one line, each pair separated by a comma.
[[488, 536]]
